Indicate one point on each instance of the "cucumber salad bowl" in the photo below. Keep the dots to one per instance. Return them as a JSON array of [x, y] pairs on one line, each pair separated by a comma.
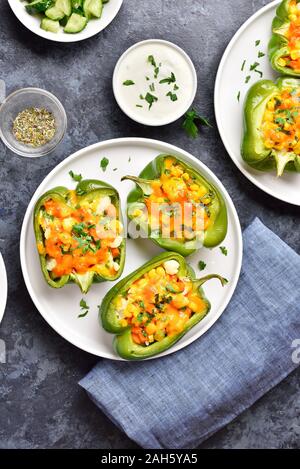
[[65, 20]]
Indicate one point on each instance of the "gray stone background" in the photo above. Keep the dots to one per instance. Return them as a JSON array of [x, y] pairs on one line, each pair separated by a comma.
[[41, 404]]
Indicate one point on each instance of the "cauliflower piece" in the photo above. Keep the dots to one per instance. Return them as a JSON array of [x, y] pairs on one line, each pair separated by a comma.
[[171, 267]]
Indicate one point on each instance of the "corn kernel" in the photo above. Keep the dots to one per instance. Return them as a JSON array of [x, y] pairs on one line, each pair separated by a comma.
[[152, 273]]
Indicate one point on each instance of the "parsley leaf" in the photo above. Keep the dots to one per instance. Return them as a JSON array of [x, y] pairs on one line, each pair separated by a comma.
[[254, 66], [189, 124], [75, 177], [173, 96], [151, 60], [104, 163], [84, 308], [128, 83], [201, 265], [247, 79], [260, 55], [83, 304], [257, 42], [150, 98], [223, 250], [168, 80]]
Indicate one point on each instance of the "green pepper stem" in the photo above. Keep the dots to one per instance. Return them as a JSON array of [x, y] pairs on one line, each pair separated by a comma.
[[142, 183], [282, 159], [200, 281]]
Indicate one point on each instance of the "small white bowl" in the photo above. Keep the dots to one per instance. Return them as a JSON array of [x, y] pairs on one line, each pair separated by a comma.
[[130, 111], [27, 98], [93, 27]]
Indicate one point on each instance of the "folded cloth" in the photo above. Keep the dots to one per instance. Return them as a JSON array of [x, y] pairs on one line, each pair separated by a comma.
[[180, 400]]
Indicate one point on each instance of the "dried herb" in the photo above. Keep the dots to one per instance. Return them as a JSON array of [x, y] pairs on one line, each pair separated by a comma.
[[34, 126]]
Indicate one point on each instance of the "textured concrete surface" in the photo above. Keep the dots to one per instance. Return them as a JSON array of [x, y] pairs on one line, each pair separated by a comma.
[[41, 404]]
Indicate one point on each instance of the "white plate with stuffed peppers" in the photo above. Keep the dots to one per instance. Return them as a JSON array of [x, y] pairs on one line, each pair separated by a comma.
[[65, 20], [141, 296], [258, 84]]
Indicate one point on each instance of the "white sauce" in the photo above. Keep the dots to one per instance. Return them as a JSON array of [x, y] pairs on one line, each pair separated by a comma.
[[135, 66]]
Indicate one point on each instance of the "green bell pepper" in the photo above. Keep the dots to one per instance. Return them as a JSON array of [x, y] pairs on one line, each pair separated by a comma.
[[87, 191], [279, 48], [215, 207], [254, 151], [109, 315]]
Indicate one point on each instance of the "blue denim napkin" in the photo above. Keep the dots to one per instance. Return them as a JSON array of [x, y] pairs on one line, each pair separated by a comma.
[[180, 400]]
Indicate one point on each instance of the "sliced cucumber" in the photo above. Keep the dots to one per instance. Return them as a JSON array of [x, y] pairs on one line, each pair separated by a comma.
[[38, 6], [75, 24], [92, 8], [50, 25], [54, 13], [65, 6]]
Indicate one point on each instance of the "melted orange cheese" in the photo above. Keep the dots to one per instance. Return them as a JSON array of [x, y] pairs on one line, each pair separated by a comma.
[[281, 122], [80, 237], [158, 305]]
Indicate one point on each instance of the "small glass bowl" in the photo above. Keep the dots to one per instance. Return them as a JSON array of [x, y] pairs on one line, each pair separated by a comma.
[[27, 98]]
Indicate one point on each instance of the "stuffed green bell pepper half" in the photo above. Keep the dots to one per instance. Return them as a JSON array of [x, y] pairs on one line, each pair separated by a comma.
[[272, 126], [177, 207], [284, 46], [154, 307], [79, 235]]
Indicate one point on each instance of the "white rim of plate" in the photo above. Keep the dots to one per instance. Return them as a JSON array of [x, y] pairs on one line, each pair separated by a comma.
[[232, 154], [173, 150], [128, 112], [69, 37], [3, 296]]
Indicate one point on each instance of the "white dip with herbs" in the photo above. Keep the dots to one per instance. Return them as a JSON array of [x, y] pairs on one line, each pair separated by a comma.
[[155, 82]]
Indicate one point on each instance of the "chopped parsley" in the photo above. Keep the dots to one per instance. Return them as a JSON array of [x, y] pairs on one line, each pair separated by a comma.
[[257, 42], [75, 177], [260, 54], [247, 79], [84, 308], [128, 83], [201, 265], [104, 163], [238, 96], [151, 60], [152, 87], [259, 72], [138, 105], [173, 96], [243, 65], [150, 98], [223, 250], [192, 121], [254, 66], [168, 80]]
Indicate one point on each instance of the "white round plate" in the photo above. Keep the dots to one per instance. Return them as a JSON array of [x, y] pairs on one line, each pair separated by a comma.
[[60, 308], [94, 26], [3, 287], [229, 111]]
